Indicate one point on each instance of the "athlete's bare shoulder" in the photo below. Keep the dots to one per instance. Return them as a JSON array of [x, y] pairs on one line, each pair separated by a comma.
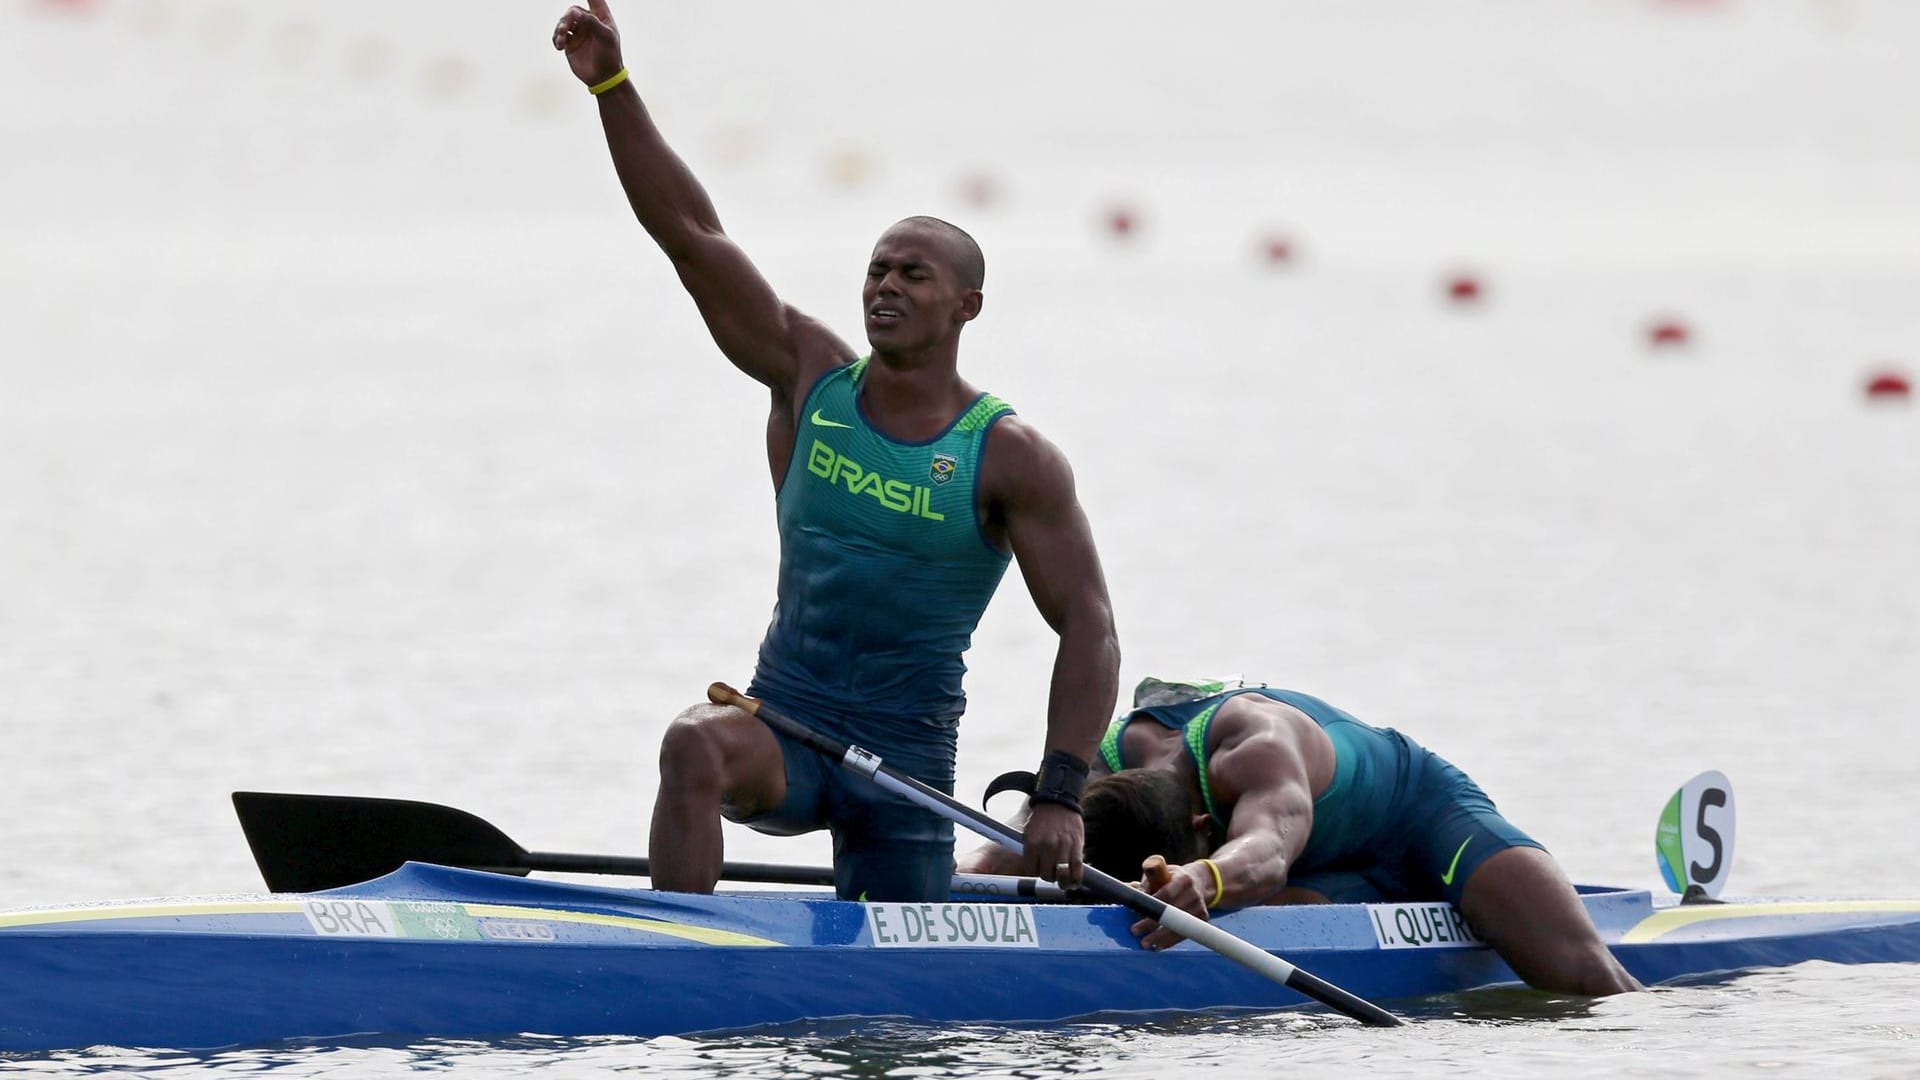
[[1244, 715], [1022, 465], [816, 351], [1255, 738], [1023, 477]]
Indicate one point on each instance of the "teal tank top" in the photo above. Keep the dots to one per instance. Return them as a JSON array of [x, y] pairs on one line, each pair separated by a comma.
[[884, 571], [1357, 813]]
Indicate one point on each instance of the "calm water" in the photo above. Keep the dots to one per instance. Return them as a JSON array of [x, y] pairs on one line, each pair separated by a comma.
[[352, 439]]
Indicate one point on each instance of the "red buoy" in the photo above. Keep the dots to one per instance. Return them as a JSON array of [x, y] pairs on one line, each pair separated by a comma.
[[1121, 222], [980, 190], [1669, 331], [1276, 249], [1888, 386], [1463, 288]]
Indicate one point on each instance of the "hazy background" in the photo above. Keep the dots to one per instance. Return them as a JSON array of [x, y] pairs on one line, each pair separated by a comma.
[[354, 439]]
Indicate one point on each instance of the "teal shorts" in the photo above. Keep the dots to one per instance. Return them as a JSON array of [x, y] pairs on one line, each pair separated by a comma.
[[1448, 827], [884, 847]]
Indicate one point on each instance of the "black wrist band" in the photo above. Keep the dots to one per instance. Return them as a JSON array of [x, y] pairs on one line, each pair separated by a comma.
[[1062, 778]]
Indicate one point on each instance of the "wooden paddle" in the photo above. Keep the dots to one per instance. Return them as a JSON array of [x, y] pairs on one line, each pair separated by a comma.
[[1105, 887], [303, 843]]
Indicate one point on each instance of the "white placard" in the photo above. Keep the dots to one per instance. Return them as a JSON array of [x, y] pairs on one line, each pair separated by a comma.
[[1436, 925], [351, 918], [965, 926]]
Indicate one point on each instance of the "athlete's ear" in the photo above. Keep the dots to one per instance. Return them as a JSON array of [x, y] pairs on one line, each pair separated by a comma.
[[970, 304], [1203, 831]]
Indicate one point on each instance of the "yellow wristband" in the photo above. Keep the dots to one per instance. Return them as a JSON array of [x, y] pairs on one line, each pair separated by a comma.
[[616, 79], [1219, 886]]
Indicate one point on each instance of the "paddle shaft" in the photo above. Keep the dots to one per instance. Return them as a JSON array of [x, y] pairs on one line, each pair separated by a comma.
[[561, 862], [1105, 886], [639, 866]]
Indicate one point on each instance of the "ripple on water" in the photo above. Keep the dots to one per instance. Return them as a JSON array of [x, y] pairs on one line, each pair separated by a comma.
[[1853, 1020]]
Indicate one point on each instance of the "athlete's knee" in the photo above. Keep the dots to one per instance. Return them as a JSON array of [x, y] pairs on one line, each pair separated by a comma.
[[714, 752], [688, 750], [694, 751]]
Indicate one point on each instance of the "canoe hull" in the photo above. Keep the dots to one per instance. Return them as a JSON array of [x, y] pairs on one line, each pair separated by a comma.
[[430, 951]]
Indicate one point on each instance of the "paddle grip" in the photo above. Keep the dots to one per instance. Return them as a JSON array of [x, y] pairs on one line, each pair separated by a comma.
[[721, 694]]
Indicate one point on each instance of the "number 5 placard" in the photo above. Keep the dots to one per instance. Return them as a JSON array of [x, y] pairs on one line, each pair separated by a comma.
[[1694, 843]]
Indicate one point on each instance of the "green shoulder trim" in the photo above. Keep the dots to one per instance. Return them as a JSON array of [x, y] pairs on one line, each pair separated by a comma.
[[1110, 743], [982, 413], [857, 368], [1197, 745]]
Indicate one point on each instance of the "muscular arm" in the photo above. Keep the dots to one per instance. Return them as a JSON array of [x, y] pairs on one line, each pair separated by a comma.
[[759, 333], [1043, 523], [1271, 817], [1264, 783]]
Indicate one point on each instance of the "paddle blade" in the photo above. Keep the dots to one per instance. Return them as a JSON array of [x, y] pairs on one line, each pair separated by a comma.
[[303, 843], [1694, 840]]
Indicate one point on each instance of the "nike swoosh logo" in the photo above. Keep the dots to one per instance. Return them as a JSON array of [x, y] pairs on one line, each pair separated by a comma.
[[824, 422], [1447, 878]]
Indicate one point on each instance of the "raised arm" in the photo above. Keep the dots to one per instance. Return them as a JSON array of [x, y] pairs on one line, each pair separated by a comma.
[[759, 333], [1035, 505]]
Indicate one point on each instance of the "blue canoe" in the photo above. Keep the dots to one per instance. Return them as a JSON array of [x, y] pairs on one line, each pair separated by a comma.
[[433, 951]]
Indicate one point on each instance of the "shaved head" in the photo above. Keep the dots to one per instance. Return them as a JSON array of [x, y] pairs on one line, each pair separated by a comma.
[[962, 254]]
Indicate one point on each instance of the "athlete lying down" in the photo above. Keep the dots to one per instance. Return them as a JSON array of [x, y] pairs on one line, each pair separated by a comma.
[[1256, 795]]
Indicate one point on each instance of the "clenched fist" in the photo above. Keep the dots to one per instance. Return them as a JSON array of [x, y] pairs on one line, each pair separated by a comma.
[[591, 41]]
